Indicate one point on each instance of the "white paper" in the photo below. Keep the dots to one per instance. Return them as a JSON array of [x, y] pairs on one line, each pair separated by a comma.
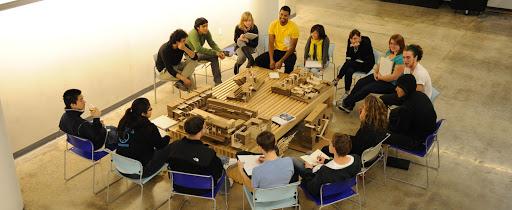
[[273, 75], [313, 64], [385, 66], [250, 36], [164, 122], [250, 162], [283, 118], [312, 158]]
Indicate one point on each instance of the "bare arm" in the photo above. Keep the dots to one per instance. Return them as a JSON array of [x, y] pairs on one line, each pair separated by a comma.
[[271, 40], [290, 50], [420, 88], [245, 179]]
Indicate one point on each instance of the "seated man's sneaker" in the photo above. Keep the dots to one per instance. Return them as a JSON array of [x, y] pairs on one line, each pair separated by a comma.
[[179, 84]]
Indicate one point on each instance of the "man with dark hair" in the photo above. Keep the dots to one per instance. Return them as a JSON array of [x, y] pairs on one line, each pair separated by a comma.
[[283, 35], [412, 55], [342, 167], [190, 155], [414, 120], [273, 171], [72, 123], [196, 39], [169, 61]]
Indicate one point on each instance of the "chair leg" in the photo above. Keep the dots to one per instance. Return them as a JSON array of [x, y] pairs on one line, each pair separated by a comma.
[[65, 151], [154, 84], [226, 180], [426, 168], [384, 166], [438, 158], [364, 188]]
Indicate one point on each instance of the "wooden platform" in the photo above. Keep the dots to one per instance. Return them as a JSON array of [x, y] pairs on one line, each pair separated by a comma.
[[267, 105]]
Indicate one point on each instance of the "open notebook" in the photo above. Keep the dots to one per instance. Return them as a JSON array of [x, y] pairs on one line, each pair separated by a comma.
[[164, 122], [312, 158], [250, 162], [313, 64]]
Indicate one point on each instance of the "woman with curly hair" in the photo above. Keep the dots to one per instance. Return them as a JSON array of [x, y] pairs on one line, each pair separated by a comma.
[[374, 122]]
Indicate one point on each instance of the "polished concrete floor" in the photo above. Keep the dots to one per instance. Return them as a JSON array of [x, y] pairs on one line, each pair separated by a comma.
[[469, 60]]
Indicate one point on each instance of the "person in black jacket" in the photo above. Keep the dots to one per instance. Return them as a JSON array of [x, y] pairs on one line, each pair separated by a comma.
[[374, 124], [190, 155], [72, 123], [342, 167], [140, 139], [245, 47], [414, 120], [169, 61], [359, 58]]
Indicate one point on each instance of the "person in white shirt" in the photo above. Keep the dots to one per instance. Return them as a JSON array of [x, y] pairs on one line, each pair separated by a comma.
[[412, 55]]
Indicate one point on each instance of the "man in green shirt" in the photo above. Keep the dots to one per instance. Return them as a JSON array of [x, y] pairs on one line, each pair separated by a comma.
[[196, 39]]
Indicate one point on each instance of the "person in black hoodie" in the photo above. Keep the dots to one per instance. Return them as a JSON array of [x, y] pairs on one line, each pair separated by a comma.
[[190, 155], [414, 120], [244, 46], [359, 58], [140, 139], [72, 123], [342, 167]]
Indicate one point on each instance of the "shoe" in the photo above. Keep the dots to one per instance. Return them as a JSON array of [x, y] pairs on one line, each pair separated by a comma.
[[180, 85], [335, 82], [344, 108]]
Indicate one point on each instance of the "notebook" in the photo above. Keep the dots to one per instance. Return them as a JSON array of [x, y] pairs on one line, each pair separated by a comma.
[[250, 36], [273, 75], [164, 122], [385, 66], [313, 64], [250, 162], [312, 158]]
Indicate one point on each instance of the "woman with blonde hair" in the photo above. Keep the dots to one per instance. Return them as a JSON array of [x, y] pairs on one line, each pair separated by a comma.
[[373, 116], [245, 40]]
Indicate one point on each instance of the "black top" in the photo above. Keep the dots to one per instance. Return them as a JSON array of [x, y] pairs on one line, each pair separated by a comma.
[[363, 53], [365, 138], [141, 141], [72, 123], [415, 118], [314, 181], [252, 43], [169, 57], [192, 156]]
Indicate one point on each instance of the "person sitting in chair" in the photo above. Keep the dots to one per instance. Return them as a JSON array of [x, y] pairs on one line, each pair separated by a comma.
[[317, 48], [72, 123], [170, 58], [244, 46]]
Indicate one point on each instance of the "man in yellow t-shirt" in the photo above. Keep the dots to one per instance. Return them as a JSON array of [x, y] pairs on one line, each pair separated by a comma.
[[282, 40]]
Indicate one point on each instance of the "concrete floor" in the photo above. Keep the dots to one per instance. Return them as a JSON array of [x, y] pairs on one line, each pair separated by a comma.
[[469, 60]]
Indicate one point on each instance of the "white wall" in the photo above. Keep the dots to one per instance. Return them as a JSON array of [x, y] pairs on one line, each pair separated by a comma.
[[10, 190], [104, 48]]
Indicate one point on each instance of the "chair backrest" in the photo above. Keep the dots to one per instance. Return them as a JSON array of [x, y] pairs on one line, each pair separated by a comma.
[[376, 55], [265, 43], [276, 193], [372, 152], [191, 181], [434, 95], [126, 165], [331, 189], [332, 47], [430, 138], [80, 143]]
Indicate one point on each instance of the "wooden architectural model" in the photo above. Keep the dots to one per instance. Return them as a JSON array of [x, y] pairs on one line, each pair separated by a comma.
[[249, 131], [301, 86], [315, 125], [247, 84]]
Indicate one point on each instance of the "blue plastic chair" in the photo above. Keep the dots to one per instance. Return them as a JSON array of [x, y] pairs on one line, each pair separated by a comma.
[[122, 165], [272, 198], [429, 141], [199, 182], [83, 148], [331, 193]]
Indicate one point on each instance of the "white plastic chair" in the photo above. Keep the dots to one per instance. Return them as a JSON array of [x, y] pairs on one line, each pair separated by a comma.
[[434, 95], [374, 154], [272, 198], [124, 165]]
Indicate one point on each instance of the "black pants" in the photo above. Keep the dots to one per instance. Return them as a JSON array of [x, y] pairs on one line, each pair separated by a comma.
[[364, 87], [391, 99], [405, 142], [264, 60], [347, 70]]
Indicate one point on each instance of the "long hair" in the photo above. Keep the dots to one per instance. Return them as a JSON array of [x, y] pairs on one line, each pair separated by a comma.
[[246, 16], [320, 30], [399, 39], [133, 115], [376, 113]]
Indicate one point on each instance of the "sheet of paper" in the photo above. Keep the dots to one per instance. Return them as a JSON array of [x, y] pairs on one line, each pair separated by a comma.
[[313, 64], [250, 162], [311, 159], [250, 36], [385, 66], [164, 122], [273, 75]]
